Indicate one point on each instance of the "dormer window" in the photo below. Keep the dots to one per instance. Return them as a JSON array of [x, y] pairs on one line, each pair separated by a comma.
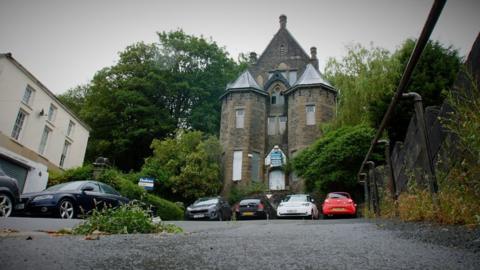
[[283, 49]]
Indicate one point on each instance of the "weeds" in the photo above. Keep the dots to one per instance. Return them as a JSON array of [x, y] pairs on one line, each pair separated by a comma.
[[126, 219]]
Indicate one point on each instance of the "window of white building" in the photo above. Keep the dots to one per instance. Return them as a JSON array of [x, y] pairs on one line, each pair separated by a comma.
[[18, 126], [27, 95], [43, 141], [71, 128], [63, 157], [52, 113], [282, 124], [239, 118], [272, 127], [310, 110], [237, 165]]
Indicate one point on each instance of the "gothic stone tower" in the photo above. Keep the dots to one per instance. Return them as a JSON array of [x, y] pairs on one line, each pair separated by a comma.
[[271, 112]]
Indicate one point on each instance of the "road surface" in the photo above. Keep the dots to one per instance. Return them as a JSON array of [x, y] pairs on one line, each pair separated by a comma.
[[274, 244]]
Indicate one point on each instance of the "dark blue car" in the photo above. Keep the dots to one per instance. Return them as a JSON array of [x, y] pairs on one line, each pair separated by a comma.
[[68, 200]]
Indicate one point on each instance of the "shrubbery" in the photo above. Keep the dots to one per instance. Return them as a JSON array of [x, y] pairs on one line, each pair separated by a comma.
[[240, 192], [129, 218]]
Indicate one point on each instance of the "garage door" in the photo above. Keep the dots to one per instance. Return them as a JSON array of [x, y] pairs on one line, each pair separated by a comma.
[[15, 171], [276, 180]]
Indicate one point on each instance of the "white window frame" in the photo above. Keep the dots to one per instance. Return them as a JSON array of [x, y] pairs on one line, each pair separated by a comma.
[[240, 118], [44, 140], [52, 113], [65, 151], [28, 95], [237, 165], [70, 128], [310, 114], [19, 124], [272, 125]]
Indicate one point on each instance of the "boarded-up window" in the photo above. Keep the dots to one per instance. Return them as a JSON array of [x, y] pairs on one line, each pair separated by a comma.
[[237, 165], [272, 126], [292, 77], [255, 167], [310, 110], [282, 124], [239, 118]]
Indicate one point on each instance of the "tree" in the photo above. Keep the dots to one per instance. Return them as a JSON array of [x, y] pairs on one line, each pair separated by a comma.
[[75, 97], [185, 167], [362, 76], [152, 91], [332, 162], [434, 74]]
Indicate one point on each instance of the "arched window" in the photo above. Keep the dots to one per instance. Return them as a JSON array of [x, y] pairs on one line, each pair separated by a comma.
[[276, 98]]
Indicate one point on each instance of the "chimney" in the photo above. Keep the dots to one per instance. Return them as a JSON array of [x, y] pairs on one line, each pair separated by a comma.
[[283, 21], [253, 57], [313, 57]]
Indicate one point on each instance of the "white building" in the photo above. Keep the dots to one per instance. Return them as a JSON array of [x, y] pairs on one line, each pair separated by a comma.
[[37, 132]]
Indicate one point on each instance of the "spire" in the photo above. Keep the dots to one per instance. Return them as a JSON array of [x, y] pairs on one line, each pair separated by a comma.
[[244, 81], [311, 76]]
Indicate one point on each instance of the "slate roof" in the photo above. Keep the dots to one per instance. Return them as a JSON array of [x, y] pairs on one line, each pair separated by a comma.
[[244, 81], [311, 76]]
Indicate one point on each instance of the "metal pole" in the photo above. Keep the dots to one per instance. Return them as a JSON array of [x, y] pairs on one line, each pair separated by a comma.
[[421, 43], [374, 189], [363, 176], [432, 179], [390, 174]]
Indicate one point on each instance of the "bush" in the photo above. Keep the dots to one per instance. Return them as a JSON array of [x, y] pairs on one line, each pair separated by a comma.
[[75, 174], [129, 218]]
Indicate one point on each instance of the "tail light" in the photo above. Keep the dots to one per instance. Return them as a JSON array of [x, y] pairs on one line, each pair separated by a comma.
[[350, 201], [260, 207], [327, 201]]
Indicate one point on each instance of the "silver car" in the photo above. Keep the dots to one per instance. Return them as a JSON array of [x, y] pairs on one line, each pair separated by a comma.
[[9, 194]]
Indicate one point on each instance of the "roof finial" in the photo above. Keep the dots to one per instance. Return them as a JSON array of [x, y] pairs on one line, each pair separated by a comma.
[[313, 52], [253, 57], [283, 21]]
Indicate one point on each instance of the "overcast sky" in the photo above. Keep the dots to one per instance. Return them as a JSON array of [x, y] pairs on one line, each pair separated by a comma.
[[63, 43]]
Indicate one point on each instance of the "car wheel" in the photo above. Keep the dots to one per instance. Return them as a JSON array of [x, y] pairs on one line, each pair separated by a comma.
[[6, 205], [66, 209]]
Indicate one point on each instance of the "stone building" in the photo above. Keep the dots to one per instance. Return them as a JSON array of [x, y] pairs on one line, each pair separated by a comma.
[[271, 112]]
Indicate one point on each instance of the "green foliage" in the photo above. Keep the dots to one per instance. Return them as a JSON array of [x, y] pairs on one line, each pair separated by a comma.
[[362, 76], [238, 192], [153, 90], [185, 167], [434, 74], [332, 162], [125, 219], [126, 185], [74, 174]]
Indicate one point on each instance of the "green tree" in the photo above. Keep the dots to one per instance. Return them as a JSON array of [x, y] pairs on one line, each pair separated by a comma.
[[75, 97], [332, 162], [185, 167], [434, 74], [362, 76]]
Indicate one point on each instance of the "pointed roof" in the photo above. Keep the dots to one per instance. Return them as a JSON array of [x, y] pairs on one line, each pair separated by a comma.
[[244, 81], [311, 76]]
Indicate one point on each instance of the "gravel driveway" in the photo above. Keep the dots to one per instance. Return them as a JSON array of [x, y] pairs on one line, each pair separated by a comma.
[[276, 244]]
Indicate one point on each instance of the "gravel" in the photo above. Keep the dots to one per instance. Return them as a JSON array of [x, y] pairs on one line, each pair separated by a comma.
[[276, 244]]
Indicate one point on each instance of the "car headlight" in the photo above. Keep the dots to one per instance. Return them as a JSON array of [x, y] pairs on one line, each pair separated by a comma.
[[189, 208], [43, 197]]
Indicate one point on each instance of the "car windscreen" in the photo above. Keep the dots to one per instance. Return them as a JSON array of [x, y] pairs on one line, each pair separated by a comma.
[[66, 186], [249, 201], [296, 198], [338, 196], [206, 201]]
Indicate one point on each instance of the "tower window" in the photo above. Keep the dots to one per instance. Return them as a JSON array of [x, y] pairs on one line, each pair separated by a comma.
[[237, 166], [274, 99], [239, 118], [310, 111]]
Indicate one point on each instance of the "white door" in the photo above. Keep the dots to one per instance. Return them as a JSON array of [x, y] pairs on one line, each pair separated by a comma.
[[276, 180]]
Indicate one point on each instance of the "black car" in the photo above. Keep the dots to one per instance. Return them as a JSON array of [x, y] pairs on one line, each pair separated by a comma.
[[9, 194], [211, 208], [257, 207], [68, 200]]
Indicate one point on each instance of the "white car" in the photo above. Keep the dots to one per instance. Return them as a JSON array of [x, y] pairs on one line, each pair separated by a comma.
[[297, 205]]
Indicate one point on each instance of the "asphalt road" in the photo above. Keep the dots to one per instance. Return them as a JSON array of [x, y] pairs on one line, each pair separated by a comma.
[[275, 244]]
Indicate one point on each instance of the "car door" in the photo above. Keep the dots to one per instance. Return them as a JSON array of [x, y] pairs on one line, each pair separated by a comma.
[[111, 197], [90, 198]]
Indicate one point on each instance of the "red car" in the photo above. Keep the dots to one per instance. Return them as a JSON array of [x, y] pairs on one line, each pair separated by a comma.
[[339, 203]]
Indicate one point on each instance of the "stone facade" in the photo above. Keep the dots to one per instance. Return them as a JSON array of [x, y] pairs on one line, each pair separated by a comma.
[[266, 109]]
